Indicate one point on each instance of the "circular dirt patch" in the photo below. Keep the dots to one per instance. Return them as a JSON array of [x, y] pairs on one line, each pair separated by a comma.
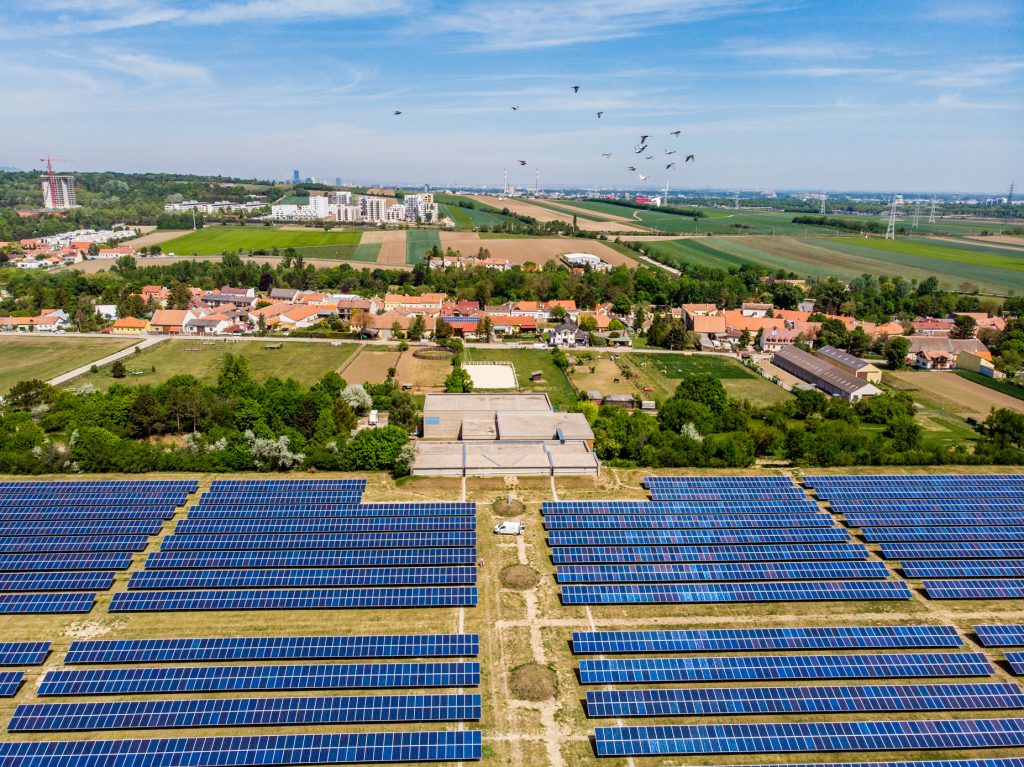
[[509, 508], [519, 577], [533, 682], [434, 353]]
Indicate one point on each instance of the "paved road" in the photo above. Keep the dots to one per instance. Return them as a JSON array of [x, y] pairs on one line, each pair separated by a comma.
[[64, 378]]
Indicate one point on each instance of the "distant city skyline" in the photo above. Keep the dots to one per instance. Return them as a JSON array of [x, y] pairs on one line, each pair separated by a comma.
[[768, 94]]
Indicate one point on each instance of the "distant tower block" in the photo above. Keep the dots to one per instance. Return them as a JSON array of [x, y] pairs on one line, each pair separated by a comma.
[[536, 181], [736, 201], [58, 191], [504, 186], [917, 213], [931, 215], [822, 209], [890, 231]]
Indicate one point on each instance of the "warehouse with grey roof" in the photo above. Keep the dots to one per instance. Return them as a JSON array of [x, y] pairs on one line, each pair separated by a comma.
[[823, 375]]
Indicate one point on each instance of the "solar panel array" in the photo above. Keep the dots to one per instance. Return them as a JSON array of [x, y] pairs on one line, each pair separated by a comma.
[[1011, 635], [23, 653]]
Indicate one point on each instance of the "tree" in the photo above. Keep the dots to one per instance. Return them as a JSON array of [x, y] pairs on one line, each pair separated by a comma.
[[705, 389], [639, 317], [588, 323], [560, 360], [896, 350], [904, 433], [402, 411], [443, 329], [834, 333], [180, 297], [458, 381], [117, 370], [860, 342], [145, 413], [234, 376], [417, 328], [964, 326], [396, 330], [558, 313], [1004, 427], [746, 339], [131, 305], [261, 325], [485, 329], [345, 420], [375, 449], [26, 395], [357, 398]]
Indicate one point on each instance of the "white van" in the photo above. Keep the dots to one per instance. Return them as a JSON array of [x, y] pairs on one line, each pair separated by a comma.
[[510, 528]]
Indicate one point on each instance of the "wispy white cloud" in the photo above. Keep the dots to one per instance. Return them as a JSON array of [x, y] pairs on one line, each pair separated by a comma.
[[829, 72], [812, 48], [957, 101], [291, 10], [959, 12], [976, 74], [151, 69]]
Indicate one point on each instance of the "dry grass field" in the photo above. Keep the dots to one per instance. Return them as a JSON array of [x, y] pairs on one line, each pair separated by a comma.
[[370, 365], [392, 246], [606, 377], [550, 210], [952, 393], [44, 356], [424, 375]]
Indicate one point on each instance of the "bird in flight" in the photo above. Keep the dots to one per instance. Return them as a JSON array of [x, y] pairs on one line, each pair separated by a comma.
[[396, 113], [606, 155], [630, 167], [522, 162], [690, 157], [599, 115], [515, 109], [672, 152], [649, 157], [643, 177], [643, 139], [675, 133], [640, 149], [575, 89], [670, 166]]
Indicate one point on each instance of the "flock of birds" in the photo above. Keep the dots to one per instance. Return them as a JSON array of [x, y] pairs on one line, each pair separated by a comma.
[[640, 148]]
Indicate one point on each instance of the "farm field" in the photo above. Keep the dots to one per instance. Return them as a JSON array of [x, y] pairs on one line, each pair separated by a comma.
[[1003, 386], [418, 242], [305, 362], [952, 393], [42, 357], [525, 361], [371, 365], [553, 211], [605, 378], [389, 245], [663, 372], [310, 243]]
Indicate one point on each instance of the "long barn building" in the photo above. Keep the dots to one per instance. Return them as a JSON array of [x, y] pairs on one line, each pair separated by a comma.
[[824, 375]]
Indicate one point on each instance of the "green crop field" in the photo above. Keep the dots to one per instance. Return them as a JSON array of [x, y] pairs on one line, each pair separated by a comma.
[[418, 242], [1002, 385], [305, 362], [367, 251], [311, 244], [43, 357]]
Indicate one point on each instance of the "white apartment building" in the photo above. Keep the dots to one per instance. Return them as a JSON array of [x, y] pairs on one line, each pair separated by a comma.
[[340, 198], [316, 208], [396, 214], [221, 206], [420, 207], [372, 209], [348, 213], [62, 195]]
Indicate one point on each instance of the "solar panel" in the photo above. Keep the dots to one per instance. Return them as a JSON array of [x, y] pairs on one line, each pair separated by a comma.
[[35, 529], [567, 555], [971, 589], [334, 676], [60, 602], [85, 561], [14, 486], [816, 480], [767, 667], [723, 494], [23, 653], [73, 543], [95, 651], [271, 484], [776, 737], [733, 481], [57, 581], [112, 501], [244, 712], [774, 571], [1016, 661], [687, 593], [269, 498], [971, 568], [692, 538], [922, 506], [302, 578], [737, 640], [946, 519], [1010, 635], [914, 534], [325, 541], [327, 558], [332, 511], [736, 506], [368, 525], [82, 513], [712, 701], [251, 750], [682, 521], [294, 599], [10, 681], [896, 493], [953, 550]]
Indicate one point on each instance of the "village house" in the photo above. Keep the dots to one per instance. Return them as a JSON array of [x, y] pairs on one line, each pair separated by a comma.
[[568, 334], [128, 326]]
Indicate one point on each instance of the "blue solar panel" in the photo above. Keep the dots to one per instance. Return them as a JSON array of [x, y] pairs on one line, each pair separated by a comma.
[[737, 640], [334, 676], [724, 481], [90, 651], [294, 599], [767, 667], [82, 513], [682, 521], [971, 589], [817, 480], [953, 550], [331, 511], [112, 501], [244, 712], [35, 529], [717, 701], [325, 541], [10, 681], [16, 486], [724, 494], [780, 737], [307, 578], [1008, 635], [895, 493], [686, 593], [274, 484], [736, 506], [366, 525], [96, 580], [86, 561], [950, 519], [970, 568], [638, 554], [692, 538], [729, 571], [23, 653], [922, 506], [270, 498], [25, 604], [915, 534], [250, 751], [327, 558], [73, 543], [1016, 661]]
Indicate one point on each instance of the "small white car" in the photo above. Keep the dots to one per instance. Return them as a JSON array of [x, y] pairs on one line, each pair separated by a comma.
[[510, 528]]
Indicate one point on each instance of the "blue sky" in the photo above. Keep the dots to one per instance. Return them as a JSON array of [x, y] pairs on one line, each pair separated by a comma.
[[768, 94]]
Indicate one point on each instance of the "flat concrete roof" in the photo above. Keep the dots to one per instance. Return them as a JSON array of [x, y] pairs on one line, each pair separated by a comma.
[[542, 426], [449, 458], [477, 402]]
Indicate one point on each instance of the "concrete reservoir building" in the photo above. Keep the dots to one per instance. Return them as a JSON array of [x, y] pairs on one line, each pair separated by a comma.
[[851, 364], [823, 375]]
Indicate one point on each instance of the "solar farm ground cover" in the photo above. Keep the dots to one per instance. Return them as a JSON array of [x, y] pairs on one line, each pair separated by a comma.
[[518, 628]]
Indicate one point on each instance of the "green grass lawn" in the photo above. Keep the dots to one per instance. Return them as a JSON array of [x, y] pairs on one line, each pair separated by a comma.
[[367, 251], [1003, 386], [418, 242], [305, 362], [45, 357], [662, 372], [525, 361], [312, 244]]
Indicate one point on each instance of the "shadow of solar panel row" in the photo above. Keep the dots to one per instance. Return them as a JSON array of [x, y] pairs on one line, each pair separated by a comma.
[[10, 681], [953, 550], [968, 568], [1007, 635], [915, 534], [244, 712], [334, 676], [691, 593], [693, 538], [568, 555], [300, 484], [368, 525], [301, 578], [737, 494], [714, 482], [327, 510], [115, 501], [777, 737], [934, 506], [952, 519], [765, 667], [739, 640], [299, 599], [201, 560], [682, 521], [96, 651], [711, 701], [27, 604], [101, 561], [73, 543], [33, 529], [85, 514], [679, 507], [327, 541], [95, 580], [23, 653], [776, 571], [971, 589], [251, 750]]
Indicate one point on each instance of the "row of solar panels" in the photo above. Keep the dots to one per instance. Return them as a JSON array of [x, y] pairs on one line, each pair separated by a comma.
[[728, 571], [566, 555], [680, 507], [109, 485], [332, 510], [683, 521], [694, 593], [558, 538], [287, 484], [301, 578]]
